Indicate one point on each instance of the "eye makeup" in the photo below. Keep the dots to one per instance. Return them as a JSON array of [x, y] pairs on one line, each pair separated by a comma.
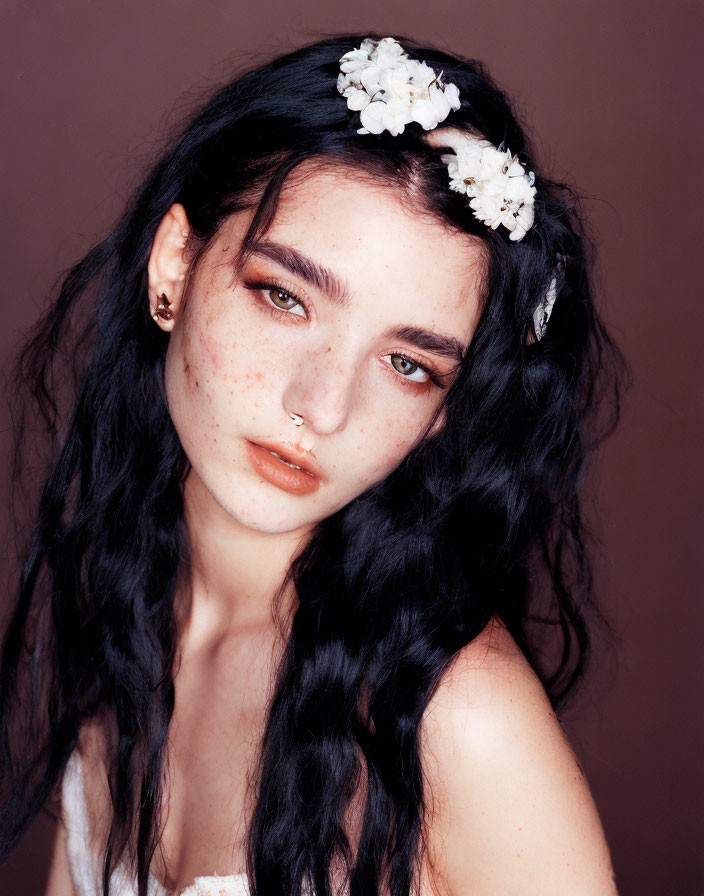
[[258, 287], [435, 378]]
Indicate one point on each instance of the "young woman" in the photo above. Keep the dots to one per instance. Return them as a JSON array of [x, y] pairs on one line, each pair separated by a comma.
[[281, 625]]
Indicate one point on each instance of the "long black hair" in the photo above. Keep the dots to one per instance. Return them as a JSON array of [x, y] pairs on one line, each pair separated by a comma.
[[481, 519]]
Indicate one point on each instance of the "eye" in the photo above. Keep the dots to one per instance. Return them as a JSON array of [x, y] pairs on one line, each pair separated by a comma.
[[284, 301], [281, 300], [410, 370]]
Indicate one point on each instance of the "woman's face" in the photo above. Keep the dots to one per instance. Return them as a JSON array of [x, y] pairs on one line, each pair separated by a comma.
[[355, 357]]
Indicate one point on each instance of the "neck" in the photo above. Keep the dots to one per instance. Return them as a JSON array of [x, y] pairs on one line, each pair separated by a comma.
[[233, 574]]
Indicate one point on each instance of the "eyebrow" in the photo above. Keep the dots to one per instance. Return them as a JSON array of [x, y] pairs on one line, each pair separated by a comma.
[[338, 291], [311, 271]]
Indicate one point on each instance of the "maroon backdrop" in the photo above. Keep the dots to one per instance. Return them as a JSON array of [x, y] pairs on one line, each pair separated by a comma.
[[613, 95]]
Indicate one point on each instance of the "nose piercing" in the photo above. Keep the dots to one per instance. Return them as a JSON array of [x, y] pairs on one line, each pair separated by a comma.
[[297, 419]]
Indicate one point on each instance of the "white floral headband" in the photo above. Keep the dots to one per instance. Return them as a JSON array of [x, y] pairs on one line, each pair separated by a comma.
[[390, 90]]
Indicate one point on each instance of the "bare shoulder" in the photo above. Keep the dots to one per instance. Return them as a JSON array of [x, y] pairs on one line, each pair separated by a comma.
[[509, 807]]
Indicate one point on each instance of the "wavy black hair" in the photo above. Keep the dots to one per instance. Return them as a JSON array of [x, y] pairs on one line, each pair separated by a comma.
[[418, 564]]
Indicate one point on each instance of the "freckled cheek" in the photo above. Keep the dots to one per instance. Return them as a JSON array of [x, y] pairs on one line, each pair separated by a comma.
[[385, 438], [209, 354], [393, 450], [230, 373], [190, 373]]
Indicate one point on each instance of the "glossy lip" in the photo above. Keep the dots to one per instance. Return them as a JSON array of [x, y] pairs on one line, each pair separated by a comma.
[[289, 453], [274, 470]]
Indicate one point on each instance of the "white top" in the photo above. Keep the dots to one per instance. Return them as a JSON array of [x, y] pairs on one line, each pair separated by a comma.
[[84, 865]]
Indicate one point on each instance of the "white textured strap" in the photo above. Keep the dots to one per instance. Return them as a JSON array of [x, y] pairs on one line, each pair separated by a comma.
[[74, 813], [85, 870], [84, 864]]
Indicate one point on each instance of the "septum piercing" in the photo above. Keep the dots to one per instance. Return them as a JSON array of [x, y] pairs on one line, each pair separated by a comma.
[[297, 419]]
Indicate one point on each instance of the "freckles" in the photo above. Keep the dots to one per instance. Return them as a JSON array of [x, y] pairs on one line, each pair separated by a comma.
[[210, 350], [251, 385], [257, 377], [191, 382]]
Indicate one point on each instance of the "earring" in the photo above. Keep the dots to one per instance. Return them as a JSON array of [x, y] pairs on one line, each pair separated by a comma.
[[163, 308], [297, 419]]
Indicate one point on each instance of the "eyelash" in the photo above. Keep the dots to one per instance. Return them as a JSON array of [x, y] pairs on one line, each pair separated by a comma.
[[433, 376]]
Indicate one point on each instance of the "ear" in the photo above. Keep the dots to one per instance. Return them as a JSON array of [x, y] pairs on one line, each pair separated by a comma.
[[438, 425], [168, 265]]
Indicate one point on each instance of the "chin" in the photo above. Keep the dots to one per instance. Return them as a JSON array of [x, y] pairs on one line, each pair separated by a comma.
[[270, 510]]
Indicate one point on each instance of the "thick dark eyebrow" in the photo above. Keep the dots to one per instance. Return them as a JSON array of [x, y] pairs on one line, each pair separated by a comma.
[[311, 271], [445, 346], [325, 281]]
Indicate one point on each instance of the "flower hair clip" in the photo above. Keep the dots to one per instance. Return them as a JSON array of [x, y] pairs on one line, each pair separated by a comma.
[[390, 90], [499, 189]]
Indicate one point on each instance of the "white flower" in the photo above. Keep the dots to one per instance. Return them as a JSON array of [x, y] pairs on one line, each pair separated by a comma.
[[390, 90], [499, 190], [380, 116]]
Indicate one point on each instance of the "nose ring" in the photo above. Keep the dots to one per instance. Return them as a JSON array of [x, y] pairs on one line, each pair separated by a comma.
[[297, 419]]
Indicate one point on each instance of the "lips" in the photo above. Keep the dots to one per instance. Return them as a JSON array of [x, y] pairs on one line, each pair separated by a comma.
[[292, 456], [279, 472]]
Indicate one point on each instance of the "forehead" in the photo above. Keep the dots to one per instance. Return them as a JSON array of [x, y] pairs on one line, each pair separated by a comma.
[[359, 225]]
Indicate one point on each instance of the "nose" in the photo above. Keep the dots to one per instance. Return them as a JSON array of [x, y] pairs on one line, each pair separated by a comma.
[[322, 390]]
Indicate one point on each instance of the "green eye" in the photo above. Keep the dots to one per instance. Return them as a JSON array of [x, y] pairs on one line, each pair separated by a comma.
[[411, 371], [404, 365]]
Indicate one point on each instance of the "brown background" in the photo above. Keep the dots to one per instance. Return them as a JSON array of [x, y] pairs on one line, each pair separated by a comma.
[[612, 92]]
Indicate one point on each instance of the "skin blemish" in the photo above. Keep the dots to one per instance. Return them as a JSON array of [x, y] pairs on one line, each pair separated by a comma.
[[252, 378], [210, 351]]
